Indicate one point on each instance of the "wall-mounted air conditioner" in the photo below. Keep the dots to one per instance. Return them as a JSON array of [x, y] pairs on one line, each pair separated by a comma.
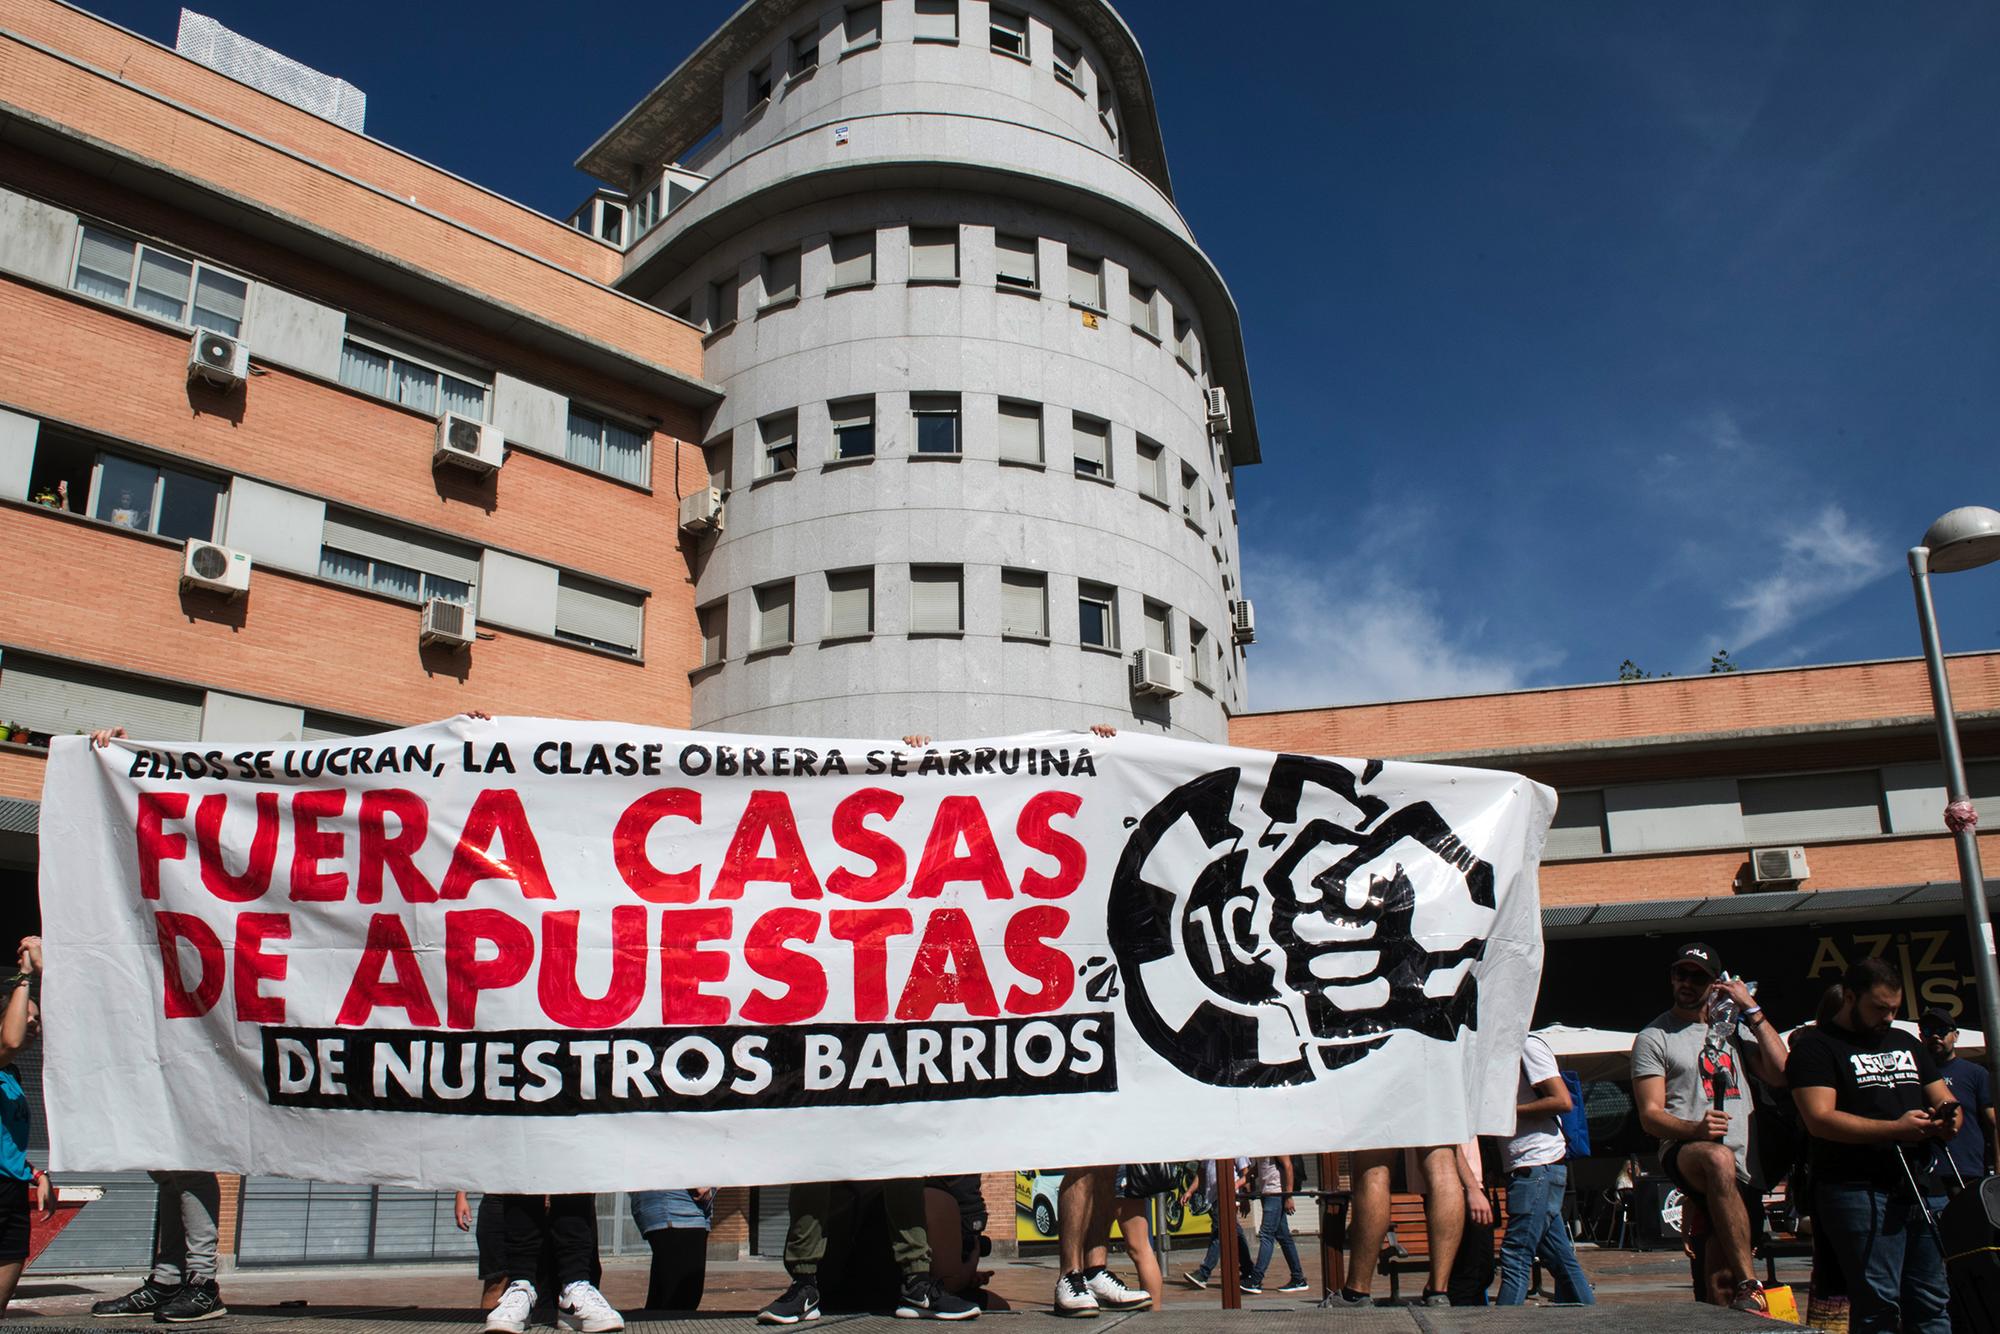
[[448, 623], [1243, 621], [1157, 673], [465, 443], [1778, 865], [218, 359], [218, 569], [702, 511], [1216, 401]]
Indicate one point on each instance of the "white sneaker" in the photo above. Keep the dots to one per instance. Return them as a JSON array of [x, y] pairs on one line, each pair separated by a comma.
[[1112, 1294], [1074, 1297], [582, 1307], [516, 1304]]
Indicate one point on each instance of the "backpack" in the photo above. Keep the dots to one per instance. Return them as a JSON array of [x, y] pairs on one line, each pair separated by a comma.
[[1575, 1124]]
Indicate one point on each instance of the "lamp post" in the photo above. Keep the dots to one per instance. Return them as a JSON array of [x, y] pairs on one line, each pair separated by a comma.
[[1961, 540]]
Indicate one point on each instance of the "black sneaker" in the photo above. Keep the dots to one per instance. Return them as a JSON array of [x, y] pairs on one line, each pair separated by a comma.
[[1341, 1299], [1296, 1283], [1195, 1278], [1251, 1285], [142, 1301], [799, 1302], [924, 1299], [200, 1299]]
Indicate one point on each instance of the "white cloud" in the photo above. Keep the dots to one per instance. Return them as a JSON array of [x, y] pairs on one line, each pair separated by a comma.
[[1354, 631], [1818, 561]]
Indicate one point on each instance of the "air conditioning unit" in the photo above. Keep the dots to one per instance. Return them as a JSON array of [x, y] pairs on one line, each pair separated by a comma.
[[215, 568], [465, 443], [1217, 403], [217, 358], [1777, 865], [447, 622], [702, 511], [1157, 673], [1243, 621]]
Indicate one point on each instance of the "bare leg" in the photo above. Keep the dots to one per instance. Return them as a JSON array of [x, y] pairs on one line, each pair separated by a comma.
[[489, 1293], [1131, 1216], [1368, 1223], [1080, 1218], [10, 1274], [1711, 1168], [1444, 1211]]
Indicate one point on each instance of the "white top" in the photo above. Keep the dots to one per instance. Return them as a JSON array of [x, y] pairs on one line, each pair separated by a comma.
[[1538, 1140]]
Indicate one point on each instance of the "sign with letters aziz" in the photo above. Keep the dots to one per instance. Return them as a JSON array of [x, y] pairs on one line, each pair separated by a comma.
[[550, 956]]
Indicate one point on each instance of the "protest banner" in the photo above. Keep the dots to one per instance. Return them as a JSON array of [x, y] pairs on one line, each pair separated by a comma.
[[531, 955]]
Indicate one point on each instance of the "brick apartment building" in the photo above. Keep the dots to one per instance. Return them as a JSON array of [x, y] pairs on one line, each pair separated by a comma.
[[1667, 788]]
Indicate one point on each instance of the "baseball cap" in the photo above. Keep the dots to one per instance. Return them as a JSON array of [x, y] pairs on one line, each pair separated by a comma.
[[1701, 956], [1935, 1023]]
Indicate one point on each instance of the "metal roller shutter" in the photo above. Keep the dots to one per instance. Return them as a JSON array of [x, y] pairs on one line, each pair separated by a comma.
[[934, 599], [1021, 432], [60, 697], [113, 1233], [312, 1222], [850, 598], [401, 546], [596, 612], [1024, 604]]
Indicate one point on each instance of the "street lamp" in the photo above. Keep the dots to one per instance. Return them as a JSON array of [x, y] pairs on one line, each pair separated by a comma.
[[1963, 539]]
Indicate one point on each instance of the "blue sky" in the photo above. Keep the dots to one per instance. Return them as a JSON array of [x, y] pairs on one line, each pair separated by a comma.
[[1579, 331]]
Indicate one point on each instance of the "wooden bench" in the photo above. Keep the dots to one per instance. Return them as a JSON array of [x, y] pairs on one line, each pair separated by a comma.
[[1408, 1247]]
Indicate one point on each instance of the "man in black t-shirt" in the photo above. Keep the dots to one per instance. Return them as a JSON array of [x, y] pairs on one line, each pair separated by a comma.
[[1869, 1094]]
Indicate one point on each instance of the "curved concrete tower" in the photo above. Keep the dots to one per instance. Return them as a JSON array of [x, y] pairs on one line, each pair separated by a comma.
[[984, 395]]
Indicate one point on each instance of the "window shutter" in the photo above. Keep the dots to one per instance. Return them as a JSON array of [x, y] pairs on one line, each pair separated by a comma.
[[933, 252], [774, 616], [45, 695], [1092, 438], [1142, 308], [330, 727], [1021, 432], [714, 633], [1086, 281], [937, 20], [401, 546], [781, 276], [1015, 261], [864, 24], [1578, 830], [593, 611], [850, 603], [854, 259], [1798, 807], [1152, 471], [1156, 629], [1024, 604], [108, 256], [934, 599]]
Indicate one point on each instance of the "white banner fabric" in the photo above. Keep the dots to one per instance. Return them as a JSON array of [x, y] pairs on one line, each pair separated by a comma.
[[527, 955]]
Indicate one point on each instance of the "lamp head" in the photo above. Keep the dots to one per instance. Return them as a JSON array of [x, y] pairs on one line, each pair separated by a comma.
[[1963, 539]]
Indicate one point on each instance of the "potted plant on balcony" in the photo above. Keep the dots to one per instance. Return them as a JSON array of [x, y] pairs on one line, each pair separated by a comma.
[[17, 734]]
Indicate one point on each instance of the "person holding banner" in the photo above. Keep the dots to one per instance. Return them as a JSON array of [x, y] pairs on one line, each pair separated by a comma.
[[826, 1209], [568, 1223], [20, 1024]]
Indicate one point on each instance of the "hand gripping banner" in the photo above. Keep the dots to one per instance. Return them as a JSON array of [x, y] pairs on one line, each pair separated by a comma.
[[532, 956]]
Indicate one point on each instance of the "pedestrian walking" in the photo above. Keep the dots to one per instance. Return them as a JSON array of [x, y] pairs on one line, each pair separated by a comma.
[[1222, 1199], [1537, 1178], [1271, 1179]]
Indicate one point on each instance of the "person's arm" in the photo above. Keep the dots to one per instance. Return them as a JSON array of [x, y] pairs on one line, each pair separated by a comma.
[[461, 1212], [1285, 1181], [1650, 1093], [14, 1017], [1554, 1101], [1825, 1121], [1766, 1056], [1477, 1207]]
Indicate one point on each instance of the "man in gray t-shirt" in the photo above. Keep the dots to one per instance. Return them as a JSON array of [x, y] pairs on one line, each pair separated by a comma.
[[1688, 1083]]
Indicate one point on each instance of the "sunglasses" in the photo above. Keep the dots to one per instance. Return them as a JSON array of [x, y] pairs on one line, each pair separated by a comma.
[[1689, 975]]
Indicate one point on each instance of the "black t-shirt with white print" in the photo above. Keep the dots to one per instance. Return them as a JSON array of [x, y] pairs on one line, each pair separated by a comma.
[[1876, 1075]]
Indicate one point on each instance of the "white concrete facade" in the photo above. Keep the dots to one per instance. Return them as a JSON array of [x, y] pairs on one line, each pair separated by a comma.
[[907, 224]]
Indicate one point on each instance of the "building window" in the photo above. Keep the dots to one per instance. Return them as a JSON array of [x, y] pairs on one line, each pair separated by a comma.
[[1017, 263], [805, 53], [1086, 281], [760, 86], [864, 26], [51, 697], [853, 260], [1578, 830], [1097, 615], [1093, 446], [781, 277], [937, 599], [147, 499], [936, 417], [1010, 32], [1798, 807], [714, 620], [778, 439], [1187, 347], [1069, 61], [853, 428], [933, 254], [774, 616], [1024, 604], [720, 456], [1152, 471], [850, 603], [607, 446], [400, 562], [1145, 314], [1020, 431], [376, 366], [722, 302], [1198, 652], [1159, 627], [1107, 111], [385, 576], [1191, 497], [599, 615], [937, 20], [118, 268]]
